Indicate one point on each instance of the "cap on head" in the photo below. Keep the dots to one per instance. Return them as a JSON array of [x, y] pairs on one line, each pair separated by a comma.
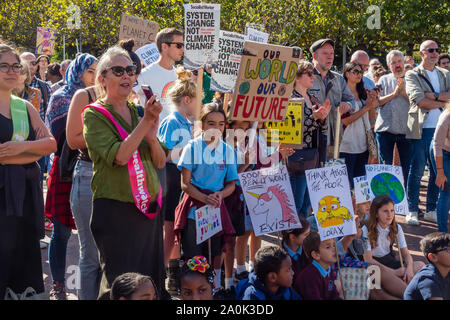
[[319, 44]]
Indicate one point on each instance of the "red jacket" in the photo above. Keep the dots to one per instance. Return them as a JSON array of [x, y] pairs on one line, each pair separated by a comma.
[[182, 211]]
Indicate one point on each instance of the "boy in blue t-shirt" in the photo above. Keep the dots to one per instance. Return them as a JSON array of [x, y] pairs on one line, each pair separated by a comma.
[[432, 282], [271, 278]]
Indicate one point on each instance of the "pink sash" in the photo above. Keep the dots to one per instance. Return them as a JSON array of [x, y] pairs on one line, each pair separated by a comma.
[[135, 169]]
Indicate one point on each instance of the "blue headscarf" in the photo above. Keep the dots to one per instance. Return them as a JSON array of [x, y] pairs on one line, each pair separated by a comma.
[[59, 103]]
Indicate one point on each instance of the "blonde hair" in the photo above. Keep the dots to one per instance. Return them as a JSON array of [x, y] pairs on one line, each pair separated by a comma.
[[304, 66], [184, 86], [26, 70], [103, 65]]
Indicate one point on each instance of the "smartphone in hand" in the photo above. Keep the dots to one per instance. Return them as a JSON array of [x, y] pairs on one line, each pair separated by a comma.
[[147, 91]]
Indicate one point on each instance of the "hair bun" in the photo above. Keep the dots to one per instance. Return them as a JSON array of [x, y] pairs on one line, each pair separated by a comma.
[[183, 74], [127, 44]]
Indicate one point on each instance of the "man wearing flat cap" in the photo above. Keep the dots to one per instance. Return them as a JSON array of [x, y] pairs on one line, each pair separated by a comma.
[[329, 85]]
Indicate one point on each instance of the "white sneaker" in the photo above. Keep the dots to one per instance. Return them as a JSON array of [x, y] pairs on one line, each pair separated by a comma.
[[43, 244], [430, 216], [412, 219]]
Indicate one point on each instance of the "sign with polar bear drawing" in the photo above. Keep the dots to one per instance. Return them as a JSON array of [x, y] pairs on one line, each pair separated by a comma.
[[269, 200], [331, 201]]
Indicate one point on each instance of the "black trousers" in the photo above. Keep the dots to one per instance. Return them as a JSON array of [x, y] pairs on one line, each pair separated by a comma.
[[127, 241]]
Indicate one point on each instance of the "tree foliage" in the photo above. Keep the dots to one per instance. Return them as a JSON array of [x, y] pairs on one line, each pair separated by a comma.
[[403, 24]]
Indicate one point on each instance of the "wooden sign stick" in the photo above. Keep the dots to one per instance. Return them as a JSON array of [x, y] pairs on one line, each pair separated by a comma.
[[337, 136], [339, 269], [400, 254], [197, 124], [226, 100], [209, 253]]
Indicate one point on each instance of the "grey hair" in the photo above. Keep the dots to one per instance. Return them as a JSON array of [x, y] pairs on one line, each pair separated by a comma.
[[103, 65], [392, 54]]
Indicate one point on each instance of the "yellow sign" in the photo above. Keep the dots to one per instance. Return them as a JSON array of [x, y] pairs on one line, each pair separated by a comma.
[[289, 130]]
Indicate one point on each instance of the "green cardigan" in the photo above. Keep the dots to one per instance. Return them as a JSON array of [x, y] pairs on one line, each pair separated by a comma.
[[111, 180]]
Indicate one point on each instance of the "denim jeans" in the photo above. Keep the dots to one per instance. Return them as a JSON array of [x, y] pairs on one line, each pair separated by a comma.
[[386, 142], [57, 251], [81, 205], [420, 156], [356, 164], [443, 205], [300, 192]]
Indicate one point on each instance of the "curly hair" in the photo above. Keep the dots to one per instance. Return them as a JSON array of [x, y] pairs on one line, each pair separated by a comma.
[[189, 269], [377, 203]]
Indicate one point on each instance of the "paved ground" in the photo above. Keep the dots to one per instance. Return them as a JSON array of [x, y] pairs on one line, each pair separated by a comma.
[[413, 236]]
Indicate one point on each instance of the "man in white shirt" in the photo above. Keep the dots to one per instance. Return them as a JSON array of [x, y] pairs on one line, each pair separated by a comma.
[[160, 75], [428, 89]]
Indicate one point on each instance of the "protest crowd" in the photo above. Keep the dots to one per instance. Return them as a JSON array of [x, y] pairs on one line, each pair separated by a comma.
[[171, 170]]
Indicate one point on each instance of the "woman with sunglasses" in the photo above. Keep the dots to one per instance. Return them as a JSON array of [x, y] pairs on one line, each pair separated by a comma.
[[127, 197], [313, 123], [80, 74], [23, 88], [24, 139], [353, 147]]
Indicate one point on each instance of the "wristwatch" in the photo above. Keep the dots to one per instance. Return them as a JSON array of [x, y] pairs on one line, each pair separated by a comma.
[[436, 96]]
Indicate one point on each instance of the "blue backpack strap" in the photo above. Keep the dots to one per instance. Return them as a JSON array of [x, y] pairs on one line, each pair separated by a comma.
[[240, 288]]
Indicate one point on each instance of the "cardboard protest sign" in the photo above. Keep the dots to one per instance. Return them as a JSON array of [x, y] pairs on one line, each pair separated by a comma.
[[290, 130], [387, 179], [202, 29], [225, 72], [148, 53], [269, 200], [362, 190], [141, 30], [45, 41], [207, 222], [265, 82], [257, 36], [331, 200]]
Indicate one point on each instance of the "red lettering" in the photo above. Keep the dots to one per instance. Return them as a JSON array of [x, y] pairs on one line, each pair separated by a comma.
[[259, 100], [239, 102], [268, 110], [281, 108], [248, 114], [273, 109]]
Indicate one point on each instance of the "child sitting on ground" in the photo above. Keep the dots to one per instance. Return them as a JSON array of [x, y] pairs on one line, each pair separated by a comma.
[[293, 244], [432, 282], [382, 231], [196, 280], [133, 286], [271, 278], [316, 281]]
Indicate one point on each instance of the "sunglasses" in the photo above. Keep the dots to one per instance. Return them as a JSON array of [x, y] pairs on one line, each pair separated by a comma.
[[34, 63], [443, 249], [179, 44], [16, 67], [309, 73], [431, 50], [119, 71], [356, 72]]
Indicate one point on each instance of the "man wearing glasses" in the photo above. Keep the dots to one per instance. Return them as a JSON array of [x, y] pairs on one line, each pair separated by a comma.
[[428, 89], [160, 75]]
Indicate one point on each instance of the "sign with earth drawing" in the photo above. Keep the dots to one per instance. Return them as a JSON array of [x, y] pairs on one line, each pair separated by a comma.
[[387, 179]]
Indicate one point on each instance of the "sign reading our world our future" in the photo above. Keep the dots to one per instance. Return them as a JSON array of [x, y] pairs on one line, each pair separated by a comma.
[[265, 82]]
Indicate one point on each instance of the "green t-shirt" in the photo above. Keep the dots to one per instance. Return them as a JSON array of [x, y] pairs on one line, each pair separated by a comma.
[[111, 180]]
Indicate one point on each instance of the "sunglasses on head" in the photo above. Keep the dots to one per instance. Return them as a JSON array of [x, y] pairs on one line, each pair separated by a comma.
[[178, 44], [119, 70], [431, 50], [443, 249]]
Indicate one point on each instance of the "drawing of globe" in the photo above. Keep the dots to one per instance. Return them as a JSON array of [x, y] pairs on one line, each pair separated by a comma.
[[386, 183]]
